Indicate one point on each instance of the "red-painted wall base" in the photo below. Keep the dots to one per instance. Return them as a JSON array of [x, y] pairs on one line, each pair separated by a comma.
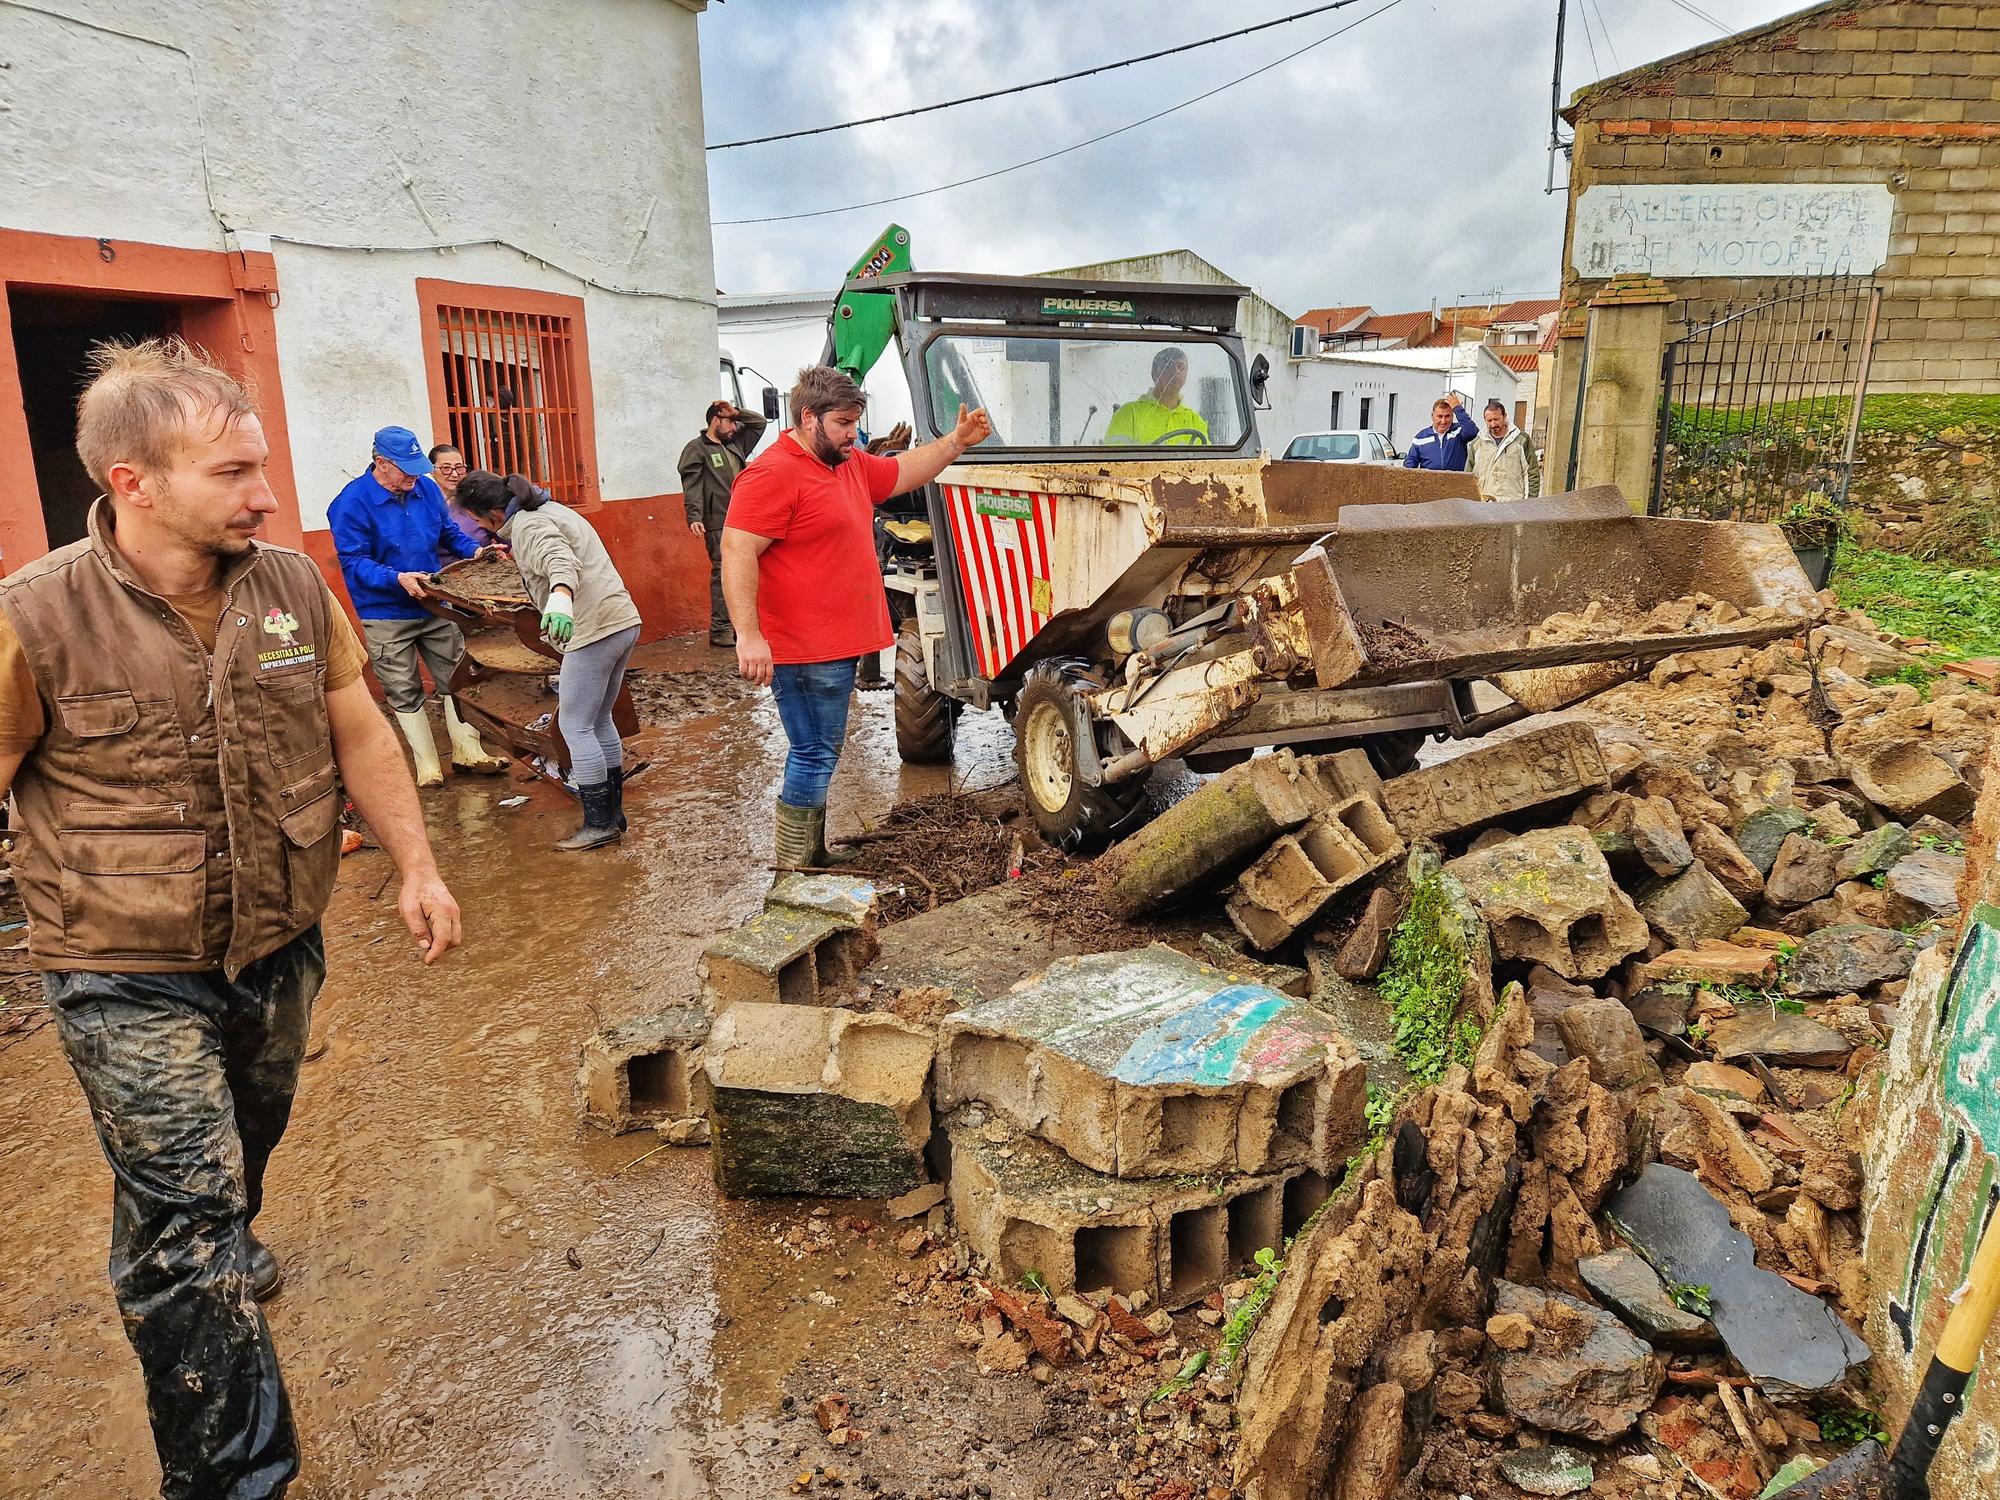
[[662, 563]]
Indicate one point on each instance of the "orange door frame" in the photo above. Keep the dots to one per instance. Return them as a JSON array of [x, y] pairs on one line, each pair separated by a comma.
[[226, 300]]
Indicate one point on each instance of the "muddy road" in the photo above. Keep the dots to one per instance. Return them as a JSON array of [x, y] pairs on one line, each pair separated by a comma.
[[484, 1298]]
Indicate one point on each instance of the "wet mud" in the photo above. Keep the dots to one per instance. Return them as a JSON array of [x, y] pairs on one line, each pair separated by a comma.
[[485, 1298]]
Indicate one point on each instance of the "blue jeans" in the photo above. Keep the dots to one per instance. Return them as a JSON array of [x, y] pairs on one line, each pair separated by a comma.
[[812, 705]]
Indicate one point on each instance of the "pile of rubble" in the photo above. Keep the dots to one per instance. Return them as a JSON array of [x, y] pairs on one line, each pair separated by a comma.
[[1491, 1128]]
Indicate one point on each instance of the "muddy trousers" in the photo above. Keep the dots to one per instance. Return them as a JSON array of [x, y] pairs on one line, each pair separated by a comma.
[[190, 1080], [812, 705]]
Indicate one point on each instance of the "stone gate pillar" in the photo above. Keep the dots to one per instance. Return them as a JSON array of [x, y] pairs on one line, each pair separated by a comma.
[[1621, 403]]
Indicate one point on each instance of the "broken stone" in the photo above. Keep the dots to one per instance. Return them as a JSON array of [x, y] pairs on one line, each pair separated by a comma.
[[1549, 898], [1486, 785], [1720, 1078], [1286, 886], [1662, 1009], [1605, 1034], [1364, 950], [1692, 907], [1634, 1291], [1583, 1373], [1411, 1361], [1509, 1331], [640, 1074], [1907, 780], [1646, 829], [1003, 1354], [1077, 1311], [1727, 863], [1805, 870], [918, 1201], [1206, 837], [1875, 851], [817, 1100], [689, 1132], [1787, 1341], [1549, 995], [1847, 959], [831, 1411], [1763, 833], [1928, 881], [1832, 823], [1286, 979], [1552, 1470], [1708, 963], [1145, 1063], [1371, 1463], [1780, 1038], [1730, 1151]]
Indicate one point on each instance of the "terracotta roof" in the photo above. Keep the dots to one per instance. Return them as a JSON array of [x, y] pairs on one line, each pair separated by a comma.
[[1397, 325], [1520, 361], [1438, 338], [1332, 319], [1531, 310]]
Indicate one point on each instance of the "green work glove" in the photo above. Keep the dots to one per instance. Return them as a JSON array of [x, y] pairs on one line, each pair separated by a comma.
[[557, 622]]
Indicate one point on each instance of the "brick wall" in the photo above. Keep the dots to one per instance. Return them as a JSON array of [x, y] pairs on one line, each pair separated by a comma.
[[1907, 95]]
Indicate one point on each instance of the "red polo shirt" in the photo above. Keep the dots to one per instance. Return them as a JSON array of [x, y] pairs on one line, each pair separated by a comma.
[[819, 586]]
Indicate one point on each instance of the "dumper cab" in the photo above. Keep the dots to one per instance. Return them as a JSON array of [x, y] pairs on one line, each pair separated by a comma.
[[1123, 570]]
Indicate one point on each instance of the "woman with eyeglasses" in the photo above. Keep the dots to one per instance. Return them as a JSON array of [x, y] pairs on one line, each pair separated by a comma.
[[448, 468]]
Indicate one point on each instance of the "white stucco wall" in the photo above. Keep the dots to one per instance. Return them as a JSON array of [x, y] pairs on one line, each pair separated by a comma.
[[572, 131], [1416, 376]]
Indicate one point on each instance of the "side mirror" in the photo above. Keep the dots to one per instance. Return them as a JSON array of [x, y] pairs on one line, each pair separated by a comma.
[[770, 403], [1260, 377]]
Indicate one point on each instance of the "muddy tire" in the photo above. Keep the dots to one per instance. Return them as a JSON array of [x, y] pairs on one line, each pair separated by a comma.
[[925, 718], [1395, 753], [1069, 814]]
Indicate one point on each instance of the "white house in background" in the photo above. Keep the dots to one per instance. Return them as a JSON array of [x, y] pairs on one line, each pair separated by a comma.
[[1391, 390], [494, 233], [771, 336]]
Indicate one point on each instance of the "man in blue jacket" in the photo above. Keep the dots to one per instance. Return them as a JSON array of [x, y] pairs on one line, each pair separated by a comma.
[[1443, 444], [389, 528]]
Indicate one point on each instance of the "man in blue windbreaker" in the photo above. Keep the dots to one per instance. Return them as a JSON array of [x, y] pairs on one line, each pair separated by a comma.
[[1443, 444], [389, 527]]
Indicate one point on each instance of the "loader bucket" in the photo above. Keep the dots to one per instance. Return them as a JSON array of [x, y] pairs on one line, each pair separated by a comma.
[[1464, 589]]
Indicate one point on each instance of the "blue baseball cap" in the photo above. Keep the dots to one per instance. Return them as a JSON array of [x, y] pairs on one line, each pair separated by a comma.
[[400, 446]]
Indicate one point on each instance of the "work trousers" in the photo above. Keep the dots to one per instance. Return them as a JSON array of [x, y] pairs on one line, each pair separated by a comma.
[[812, 705], [190, 1080], [586, 690], [393, 649], [718, 611]]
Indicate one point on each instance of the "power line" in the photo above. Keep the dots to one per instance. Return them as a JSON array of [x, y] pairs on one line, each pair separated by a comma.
[[1702, 16], [1596, 67], [820, 213], [1605, 27], [1022, 88]]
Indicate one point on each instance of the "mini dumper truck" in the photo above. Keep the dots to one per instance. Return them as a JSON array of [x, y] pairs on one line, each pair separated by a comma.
[[1124, 571]]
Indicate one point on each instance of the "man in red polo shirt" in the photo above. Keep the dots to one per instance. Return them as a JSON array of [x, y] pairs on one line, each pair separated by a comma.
[[802, 583]]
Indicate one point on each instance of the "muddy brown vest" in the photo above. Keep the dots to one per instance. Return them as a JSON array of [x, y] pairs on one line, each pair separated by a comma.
[[179, 813]]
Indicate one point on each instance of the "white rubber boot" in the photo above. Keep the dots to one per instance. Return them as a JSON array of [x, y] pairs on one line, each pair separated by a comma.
[[416, 729], [467, 754]]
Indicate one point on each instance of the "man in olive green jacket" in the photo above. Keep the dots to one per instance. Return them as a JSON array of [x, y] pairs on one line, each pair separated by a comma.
[[709, 466]]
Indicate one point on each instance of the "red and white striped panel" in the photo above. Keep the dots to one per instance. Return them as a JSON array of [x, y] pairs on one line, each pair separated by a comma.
[[1003, 567]]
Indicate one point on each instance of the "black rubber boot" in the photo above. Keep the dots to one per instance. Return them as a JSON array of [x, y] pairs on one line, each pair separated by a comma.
[[266, 1274], [600, 819], [618, 797]]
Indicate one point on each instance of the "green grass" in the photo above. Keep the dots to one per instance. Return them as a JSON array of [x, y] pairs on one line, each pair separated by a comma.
[[1890, 415], [1957, 609]]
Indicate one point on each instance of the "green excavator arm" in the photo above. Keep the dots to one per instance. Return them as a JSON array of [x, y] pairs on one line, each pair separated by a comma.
[[863, 322]]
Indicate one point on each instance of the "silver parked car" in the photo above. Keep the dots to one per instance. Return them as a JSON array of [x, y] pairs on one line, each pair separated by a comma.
[[1351, 447]]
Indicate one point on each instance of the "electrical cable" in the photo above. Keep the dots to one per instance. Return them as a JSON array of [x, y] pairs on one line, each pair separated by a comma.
[[821, 213], [1604, 26], [1041, 83], [1596, 67], [1702, 16]]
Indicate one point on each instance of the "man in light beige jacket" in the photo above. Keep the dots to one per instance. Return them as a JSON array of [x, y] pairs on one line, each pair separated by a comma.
[[1503, 460]]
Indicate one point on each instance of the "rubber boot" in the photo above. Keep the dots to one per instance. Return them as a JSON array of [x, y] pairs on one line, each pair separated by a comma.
[[795, 836], [618, 797], [600, 820], [266, 1274], [822, 857], [467, 754], [416, 727]]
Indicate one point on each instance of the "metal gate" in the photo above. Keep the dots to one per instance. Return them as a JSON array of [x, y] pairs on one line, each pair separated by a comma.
[[1760, 403]]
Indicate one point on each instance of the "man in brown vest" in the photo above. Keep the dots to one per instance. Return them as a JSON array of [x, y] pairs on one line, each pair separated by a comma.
[[178, 705]]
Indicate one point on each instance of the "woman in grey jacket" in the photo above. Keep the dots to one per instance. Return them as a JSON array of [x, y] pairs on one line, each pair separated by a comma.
[[588, 616]]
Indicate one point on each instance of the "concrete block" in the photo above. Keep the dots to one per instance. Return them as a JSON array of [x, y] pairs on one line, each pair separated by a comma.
[[817, 1100], [1205, 838], [788, 955], [1549, 898], [1483, 786], [1145, 1063], [1025, 1206], [1285, 888], [641, 1074]]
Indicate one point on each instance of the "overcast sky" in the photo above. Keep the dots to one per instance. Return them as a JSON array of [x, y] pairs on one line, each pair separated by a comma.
[[1397, 165]]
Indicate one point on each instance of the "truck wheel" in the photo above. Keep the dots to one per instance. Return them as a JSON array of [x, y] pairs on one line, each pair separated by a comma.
[[1070, 814], [1394, 753], [925, 718]]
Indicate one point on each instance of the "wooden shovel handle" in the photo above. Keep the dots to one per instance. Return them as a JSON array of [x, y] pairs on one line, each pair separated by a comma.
[[1966, 1329]]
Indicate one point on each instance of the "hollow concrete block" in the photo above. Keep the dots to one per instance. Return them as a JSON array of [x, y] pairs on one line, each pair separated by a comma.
[[1289, 883], [1026, 1207], [817, 1100], [641, 1074], [787, 955], [1144, 1063], [1480, 787]]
